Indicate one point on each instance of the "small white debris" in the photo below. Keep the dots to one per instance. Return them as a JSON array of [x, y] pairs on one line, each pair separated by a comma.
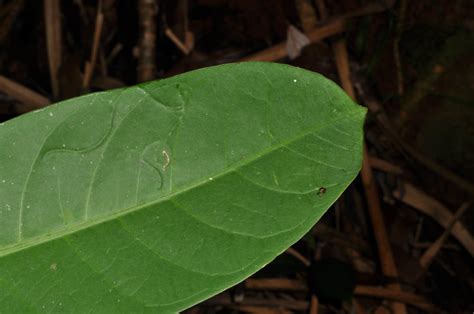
[[51, 114], [167, 160], [295, 80]]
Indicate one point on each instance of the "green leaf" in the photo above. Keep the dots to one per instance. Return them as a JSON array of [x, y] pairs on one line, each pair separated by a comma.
[[157, 196]]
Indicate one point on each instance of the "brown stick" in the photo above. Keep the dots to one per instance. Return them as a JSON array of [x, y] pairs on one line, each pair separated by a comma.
[[396, 48], [283, 284], [383, 165], [333, 27], [306, 14], [313, 306], [224, 299], [23, 94], [52, 21], [342, 63], [400, 296], [387, 260], [426, 204], [181, 46], [298, 256], [278, 284], [323, 12], [90, 65], [252, 309], [279, 51], [432, 251], [147, 11], [384, 122], [439, 169]]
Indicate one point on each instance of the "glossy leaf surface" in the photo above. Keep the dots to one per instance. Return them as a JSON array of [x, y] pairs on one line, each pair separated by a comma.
[[154, 197]]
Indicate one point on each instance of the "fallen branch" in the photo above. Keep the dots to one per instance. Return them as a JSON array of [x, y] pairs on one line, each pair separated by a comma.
[[178, 43], [400, 296], [293, 285], [147, 10], [252, 309], [432, 251], [90, 65], [298, 256], [225, 299], [426, 204], [52, 21], [276, 284], [384, 248], [313, 305], [279, 51], [306, 14], [30, 98], [386, 125], [385, 166]]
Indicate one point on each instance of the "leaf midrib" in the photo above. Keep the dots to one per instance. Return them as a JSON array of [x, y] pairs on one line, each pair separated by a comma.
[[35, 241]]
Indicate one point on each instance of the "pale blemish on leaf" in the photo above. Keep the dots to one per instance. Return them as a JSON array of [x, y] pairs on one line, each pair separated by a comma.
[[167, 159]]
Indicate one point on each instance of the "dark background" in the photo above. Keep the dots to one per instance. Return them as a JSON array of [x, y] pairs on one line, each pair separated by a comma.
[[413, 59]]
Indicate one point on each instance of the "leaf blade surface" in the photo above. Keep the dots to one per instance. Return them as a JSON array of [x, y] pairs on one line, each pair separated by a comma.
[[153, 197]]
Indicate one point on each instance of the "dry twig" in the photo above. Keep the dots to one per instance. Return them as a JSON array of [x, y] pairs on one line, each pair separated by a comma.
[[279, 51], [385, 166], [52, 21], [396, 48], [387, 260], [181, 46], [30, 98], [90, 65], [283, 284], [386, 125], [298, 256], [307, 15], [400, 296], [147, 11], [276, 284], [426, 204], [313, 305], [432, 251]]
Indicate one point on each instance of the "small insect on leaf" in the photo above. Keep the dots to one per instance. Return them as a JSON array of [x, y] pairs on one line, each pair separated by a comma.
[[322, 190]]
